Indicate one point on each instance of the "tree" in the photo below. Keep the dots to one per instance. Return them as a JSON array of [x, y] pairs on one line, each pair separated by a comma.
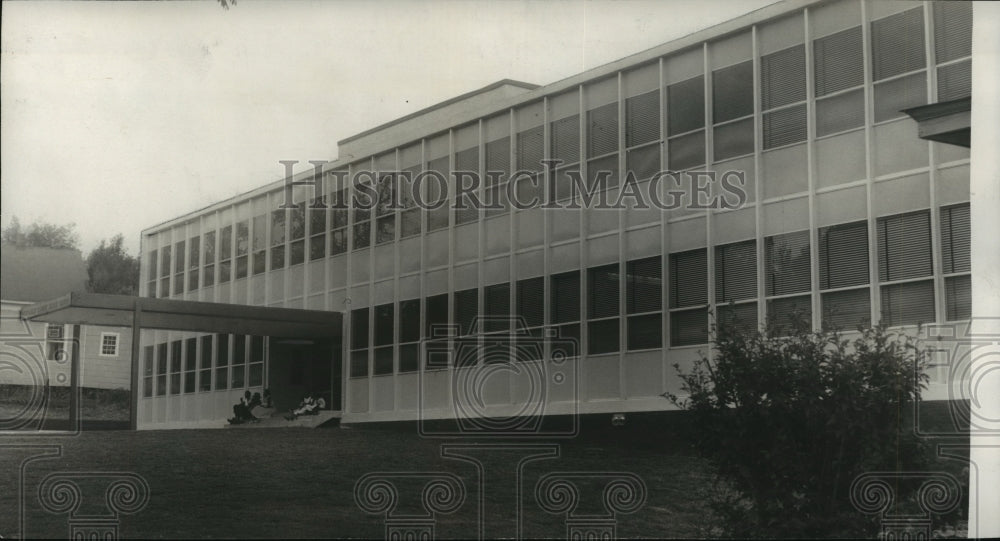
[[41, 234], [111, 270], [790, 421]]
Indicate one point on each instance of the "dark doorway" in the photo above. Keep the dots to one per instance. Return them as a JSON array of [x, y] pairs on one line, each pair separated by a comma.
[[301, 367]]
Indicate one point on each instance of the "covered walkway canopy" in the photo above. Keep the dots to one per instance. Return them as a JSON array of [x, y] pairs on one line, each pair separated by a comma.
[[175, 315]]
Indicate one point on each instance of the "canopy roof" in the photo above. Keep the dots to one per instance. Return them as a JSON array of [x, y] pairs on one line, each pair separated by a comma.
[[177, 315], [944, 122]]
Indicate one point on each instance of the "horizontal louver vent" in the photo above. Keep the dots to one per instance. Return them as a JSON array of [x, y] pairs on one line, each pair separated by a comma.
[[843, 255], [898, 44], [602, 130], [642, 119], [839, 61], [952, 30], [644, 286], [847, 309], [955, 238], [735, 271], [529, 149], [904, 246], [566, 139], [783, 77], [530, 295], [955, 81], [908, 304], [689, 278], [498, 157], [602, 285], [784, 126], [786, 260]]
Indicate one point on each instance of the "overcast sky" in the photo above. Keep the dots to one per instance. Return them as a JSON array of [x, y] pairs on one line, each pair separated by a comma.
[[117, 116]]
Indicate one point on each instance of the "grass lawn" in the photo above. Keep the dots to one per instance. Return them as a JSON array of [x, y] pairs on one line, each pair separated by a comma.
[[300, 482]]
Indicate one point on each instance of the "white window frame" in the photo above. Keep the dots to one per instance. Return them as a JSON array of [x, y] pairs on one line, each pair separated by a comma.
[[117, 337]]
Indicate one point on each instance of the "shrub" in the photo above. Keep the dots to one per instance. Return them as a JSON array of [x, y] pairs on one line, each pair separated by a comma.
[[789, 422]]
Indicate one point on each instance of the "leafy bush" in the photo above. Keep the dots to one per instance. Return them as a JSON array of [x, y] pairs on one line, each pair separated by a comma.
[[790, 421]]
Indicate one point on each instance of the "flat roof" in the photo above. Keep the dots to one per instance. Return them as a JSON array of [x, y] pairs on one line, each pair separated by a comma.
[[178, 315]]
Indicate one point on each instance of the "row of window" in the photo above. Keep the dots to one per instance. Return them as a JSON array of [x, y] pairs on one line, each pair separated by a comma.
[[898, 68], [206, 363], [460, 332]]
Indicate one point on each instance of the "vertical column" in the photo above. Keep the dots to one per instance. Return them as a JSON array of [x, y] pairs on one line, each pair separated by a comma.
[[985, 184]]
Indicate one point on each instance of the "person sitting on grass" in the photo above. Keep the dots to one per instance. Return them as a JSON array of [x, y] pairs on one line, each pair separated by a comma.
[[308, 406], [243, 411]]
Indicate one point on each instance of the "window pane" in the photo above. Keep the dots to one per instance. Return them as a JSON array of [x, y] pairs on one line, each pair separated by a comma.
[[383, 360], [734, 139], [642, 118], [843, 255], [908, 304], [497, 307], [384, 315], [362, 235], [686, 105], [566, 139], [952, 30], [602, 130], [409, 223], [839, 61], [840, 113], [466, 310], [689, 327], [645, 332], [602, 336], [359, 328], [784, 126], [783, 77], [529, 149], [409, 320], [958, 297], [732, 92], [565, 300], [530, 295], [602, 289], [736, 271], [904, 246], [955, 81], [783, 314], [955, 238], [737, 318], [644, 162], [689, 278], [222, 350], [498, 159], [686, 151], [436, 315], [644, 285], [847, 309], [359, 363], [893, 96], [409, 357], [786, 260], [898, 44]]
